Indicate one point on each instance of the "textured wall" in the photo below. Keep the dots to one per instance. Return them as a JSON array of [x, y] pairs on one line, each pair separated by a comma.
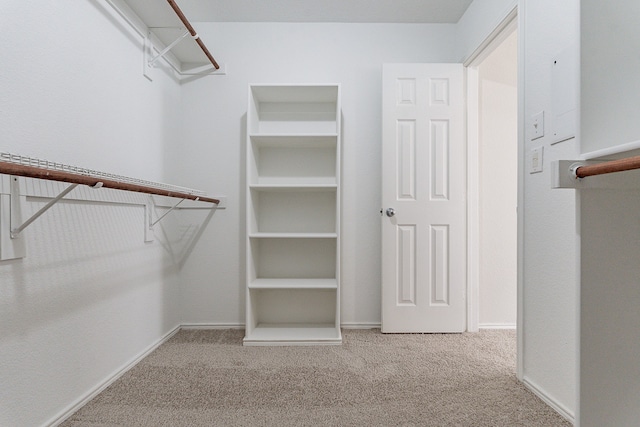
[[550, 245], [90, 295]]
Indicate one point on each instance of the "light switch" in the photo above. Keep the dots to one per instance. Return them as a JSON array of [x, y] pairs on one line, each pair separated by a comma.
[[535, 160], [537, 125]]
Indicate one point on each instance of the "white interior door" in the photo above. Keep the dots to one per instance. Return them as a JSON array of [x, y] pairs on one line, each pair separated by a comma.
[[424, 198]]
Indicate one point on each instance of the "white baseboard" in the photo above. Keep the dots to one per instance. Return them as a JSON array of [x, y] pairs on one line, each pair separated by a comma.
[[554, 404], [212, 326], [74, 407], [346, 325], [497, 326], [360, 325]]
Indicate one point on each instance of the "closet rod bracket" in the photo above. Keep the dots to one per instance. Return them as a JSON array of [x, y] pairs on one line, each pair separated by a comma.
[[166, 213], [164, 51], [565, 174], [15, 200]]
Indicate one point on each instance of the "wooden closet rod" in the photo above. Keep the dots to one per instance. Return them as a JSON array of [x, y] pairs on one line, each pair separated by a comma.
[[193, 33], [621, 165], [15, 169]]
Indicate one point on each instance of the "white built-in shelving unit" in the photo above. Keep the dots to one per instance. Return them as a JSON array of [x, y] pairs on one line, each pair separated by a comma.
[[293, 215]]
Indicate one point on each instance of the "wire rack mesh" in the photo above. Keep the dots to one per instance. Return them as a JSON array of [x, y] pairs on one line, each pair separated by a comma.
[[47, 164]]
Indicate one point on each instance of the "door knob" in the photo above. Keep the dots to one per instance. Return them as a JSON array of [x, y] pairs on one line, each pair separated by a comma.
[[391, 212]]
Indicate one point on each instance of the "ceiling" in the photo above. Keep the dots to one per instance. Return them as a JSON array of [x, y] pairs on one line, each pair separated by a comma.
[[159, 16], [157, 13]]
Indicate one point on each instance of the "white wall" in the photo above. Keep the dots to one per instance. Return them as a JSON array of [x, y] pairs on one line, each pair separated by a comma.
[[477, 23], [90, 295], [550, 252], [548, 240], [498, 184], [610, 107], [609, 315], [609, 226], [212, 150]]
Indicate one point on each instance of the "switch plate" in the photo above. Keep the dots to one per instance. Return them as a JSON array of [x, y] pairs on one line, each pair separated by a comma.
[[537, 125], [535, 160]]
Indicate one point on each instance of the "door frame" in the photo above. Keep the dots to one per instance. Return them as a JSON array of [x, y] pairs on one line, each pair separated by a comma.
[[511, 22]]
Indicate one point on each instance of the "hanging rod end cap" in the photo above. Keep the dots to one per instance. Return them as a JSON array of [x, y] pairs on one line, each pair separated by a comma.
[[573, 170]]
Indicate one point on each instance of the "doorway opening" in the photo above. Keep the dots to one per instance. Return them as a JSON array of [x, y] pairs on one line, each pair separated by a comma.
[[492, 84]]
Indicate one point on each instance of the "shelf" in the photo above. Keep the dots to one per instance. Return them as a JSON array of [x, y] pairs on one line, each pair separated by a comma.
[[295, 184], [302, 93], [292, 160], [293, 306], [293, 109], [298, 140], [293, 334], [292, 210], [284, 256], [293, 215], [286, 235], [294, 284]]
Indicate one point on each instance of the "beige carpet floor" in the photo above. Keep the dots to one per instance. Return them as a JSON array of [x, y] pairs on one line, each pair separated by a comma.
[[207, 378]]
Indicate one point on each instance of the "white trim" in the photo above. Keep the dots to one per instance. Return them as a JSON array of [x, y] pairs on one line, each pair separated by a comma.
[[345, 325], [110, 379], [578, 319], [361, 325], [553, 403], [497, 326], [610, 151], [473, 200], [520, 208], [501, 31], [504, 28], [190, 326]]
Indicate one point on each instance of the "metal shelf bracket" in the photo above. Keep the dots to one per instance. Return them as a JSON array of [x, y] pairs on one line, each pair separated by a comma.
[[15, 200], [151, 207], [152, 61], [166, 213]]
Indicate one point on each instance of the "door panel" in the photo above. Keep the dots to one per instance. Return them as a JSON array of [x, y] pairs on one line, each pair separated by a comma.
[[424, 175]]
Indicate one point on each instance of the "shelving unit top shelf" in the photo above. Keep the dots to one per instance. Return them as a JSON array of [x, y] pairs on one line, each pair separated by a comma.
[[295, 93]]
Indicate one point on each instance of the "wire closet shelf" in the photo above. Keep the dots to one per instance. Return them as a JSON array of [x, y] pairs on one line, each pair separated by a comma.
[[31, 167]]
